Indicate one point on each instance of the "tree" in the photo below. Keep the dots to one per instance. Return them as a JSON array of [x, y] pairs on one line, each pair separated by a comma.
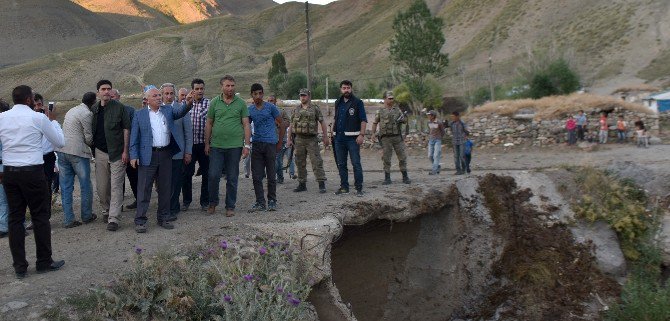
[[415, 48], [277, 72]]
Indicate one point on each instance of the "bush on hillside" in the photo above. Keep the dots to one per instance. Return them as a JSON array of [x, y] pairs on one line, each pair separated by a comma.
[[237, 280]]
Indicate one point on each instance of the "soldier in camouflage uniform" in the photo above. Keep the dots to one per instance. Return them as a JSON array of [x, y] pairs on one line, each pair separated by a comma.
[[305, 125], [389, 119]]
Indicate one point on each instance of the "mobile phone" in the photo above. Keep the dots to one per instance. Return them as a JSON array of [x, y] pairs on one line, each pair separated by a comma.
[[51, 106]]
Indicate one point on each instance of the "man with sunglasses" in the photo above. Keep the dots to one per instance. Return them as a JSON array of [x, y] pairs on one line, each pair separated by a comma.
[[390, 118]]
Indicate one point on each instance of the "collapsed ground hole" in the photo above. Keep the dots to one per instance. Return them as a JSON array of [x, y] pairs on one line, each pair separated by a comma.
[[450, 264]]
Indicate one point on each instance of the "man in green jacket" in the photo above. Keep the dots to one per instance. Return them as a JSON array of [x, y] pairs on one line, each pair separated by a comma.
[[111, 132]]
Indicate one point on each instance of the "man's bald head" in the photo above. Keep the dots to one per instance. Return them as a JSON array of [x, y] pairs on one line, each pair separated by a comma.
[[182, 94], [115, 94]]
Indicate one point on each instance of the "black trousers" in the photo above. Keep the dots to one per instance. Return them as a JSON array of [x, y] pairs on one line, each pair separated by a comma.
[[160, 168], [132, 178], [178, 168], [28, 188], [203, 163], [263, 161], [49, 166]]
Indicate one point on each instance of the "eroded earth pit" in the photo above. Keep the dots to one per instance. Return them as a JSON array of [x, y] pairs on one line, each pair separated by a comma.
[[478, 250]]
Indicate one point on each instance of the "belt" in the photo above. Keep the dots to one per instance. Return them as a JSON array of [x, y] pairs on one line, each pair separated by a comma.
[[159, 149], [30, 168], [349, 133]]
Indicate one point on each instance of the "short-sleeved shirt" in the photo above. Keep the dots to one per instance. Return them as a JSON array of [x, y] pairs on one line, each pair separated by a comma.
[[227, 129], [265, 129]]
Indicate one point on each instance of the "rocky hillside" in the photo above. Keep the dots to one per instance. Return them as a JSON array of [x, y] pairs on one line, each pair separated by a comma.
[[611, 43], [33, 28], [142, 15]]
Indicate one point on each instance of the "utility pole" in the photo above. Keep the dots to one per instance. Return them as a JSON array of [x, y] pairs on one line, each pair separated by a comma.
[[491, 87], [309, 51]]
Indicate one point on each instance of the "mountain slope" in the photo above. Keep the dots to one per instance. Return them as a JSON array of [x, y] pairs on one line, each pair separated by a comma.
[[143, 15], [33, 28], [611, 43]]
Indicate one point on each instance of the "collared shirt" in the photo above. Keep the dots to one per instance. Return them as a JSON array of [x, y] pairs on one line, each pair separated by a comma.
[[581, 120], [227, 129], [21, 131], [199, 118], [458, 130], [159, 128]]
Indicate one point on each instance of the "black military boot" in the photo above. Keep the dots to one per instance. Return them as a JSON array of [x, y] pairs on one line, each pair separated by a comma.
[[405, 178], [322, 187], [301, 187], [387, 178]]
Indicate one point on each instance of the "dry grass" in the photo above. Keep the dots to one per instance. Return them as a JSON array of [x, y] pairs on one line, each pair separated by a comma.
[[556, 106], [638, 87]]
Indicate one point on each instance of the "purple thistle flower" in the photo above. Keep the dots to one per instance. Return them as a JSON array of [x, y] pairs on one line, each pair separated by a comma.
[[262, 250], [138, 250], [227, 298], [210, 251], [280, 289], [274, 244], [294, 301], [249, 277], [223, 245], [289, 295], [237, 239]]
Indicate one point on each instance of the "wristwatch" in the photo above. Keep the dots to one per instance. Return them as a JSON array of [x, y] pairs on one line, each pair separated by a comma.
[[247, 146]]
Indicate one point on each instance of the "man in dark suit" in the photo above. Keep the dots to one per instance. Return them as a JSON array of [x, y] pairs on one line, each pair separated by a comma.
[[152, 145]]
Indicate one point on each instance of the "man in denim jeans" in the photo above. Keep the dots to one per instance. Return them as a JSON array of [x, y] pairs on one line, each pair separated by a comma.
[[74, 159], [349, 128], [227, 139], [435, 134], [459, 133]]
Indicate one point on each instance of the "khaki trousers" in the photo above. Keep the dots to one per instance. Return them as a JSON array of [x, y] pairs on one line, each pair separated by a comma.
[[308, 146], [109, 178], [389, 144]]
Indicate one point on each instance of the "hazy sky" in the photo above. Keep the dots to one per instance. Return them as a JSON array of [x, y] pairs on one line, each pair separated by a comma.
[[310, 1]]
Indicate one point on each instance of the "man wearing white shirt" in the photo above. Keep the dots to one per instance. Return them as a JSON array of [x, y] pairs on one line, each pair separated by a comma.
[[21, 132], [152, 145]]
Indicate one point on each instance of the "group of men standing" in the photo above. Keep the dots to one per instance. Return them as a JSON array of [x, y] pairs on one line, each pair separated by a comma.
[[159, 144]]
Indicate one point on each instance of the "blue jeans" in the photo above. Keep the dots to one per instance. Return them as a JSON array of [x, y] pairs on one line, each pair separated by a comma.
[[69, 166], [220, 158], [279, 161], [459, 157], [4, 208], [621, 135], [348, 146], [435, 153]]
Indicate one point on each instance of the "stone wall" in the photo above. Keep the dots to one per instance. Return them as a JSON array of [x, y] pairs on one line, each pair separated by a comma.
[[525, 130]]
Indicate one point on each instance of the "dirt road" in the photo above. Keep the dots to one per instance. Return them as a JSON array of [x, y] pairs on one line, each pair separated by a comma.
[[93, 255]]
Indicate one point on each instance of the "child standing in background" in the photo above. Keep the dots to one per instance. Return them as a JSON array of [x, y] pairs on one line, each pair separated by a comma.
[[621, 129], [603, 128], [571, 127], [468, 153]]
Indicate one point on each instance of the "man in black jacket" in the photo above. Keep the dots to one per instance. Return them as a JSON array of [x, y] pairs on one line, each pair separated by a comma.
[[349, 129]]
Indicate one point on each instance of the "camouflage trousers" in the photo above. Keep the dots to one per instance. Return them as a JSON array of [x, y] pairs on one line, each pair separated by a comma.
[[390, 143], [308, 145]]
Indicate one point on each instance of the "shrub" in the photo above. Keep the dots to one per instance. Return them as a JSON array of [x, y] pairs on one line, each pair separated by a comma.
[[240, 280], [618, 202]]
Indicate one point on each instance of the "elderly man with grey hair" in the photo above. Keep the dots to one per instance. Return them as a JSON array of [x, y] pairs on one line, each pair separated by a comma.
[[184, 136], [152, 146]]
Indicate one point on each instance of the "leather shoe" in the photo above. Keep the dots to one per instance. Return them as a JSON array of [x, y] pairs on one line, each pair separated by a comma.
[[54, 266], [91, 219], [21, 275], [166, 225], [211, 209]]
